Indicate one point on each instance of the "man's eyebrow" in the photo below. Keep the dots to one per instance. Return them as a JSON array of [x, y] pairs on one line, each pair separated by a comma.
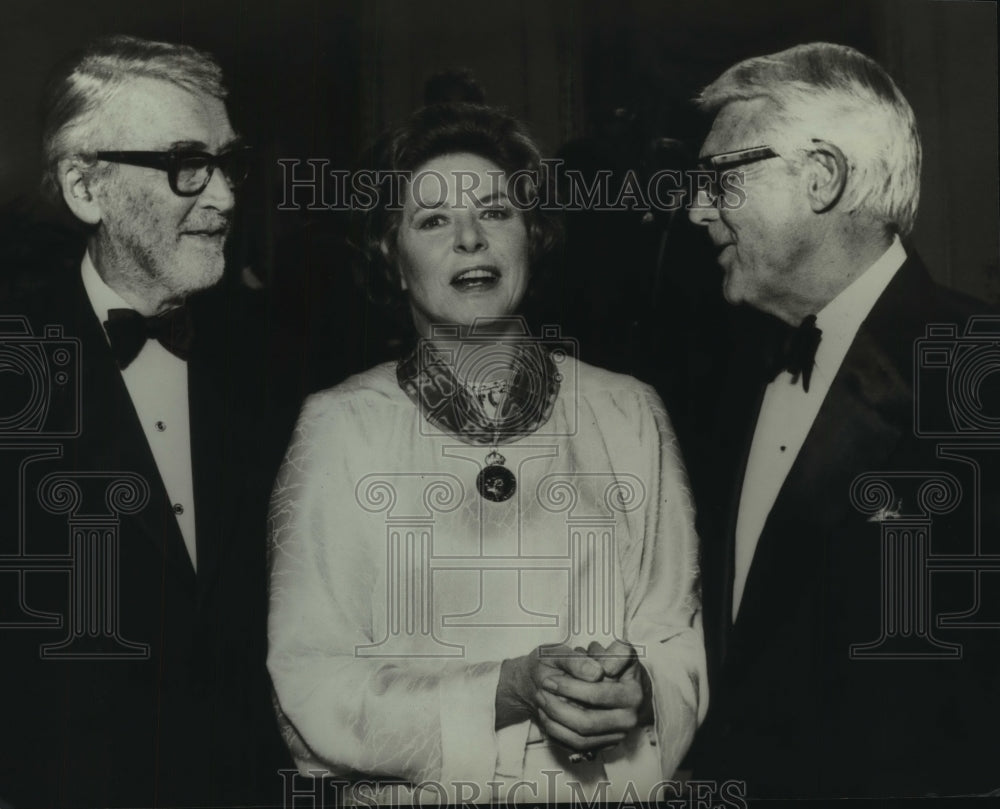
[[194, 145], [201, 146]]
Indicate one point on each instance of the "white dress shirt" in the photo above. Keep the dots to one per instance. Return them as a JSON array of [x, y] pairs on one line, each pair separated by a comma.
[[157, 383], [787, 411]]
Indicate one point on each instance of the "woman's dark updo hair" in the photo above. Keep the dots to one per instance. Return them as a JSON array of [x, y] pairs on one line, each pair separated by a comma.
[[435, 131]]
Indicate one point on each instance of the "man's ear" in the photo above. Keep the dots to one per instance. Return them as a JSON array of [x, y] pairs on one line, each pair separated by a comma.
[[827, 175], [77, 191]]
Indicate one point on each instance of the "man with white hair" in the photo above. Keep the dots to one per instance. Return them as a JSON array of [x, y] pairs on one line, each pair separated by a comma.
[[135, 676], [820, 684]]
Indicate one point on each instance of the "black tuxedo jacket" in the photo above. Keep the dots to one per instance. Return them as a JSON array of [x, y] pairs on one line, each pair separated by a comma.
[[797, 708], [158, 695]]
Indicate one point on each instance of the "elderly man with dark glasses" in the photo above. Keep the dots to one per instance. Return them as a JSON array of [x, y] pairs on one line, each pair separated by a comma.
[[838, 665], [154, 691]]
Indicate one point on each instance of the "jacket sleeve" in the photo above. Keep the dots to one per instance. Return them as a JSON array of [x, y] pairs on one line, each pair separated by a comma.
[[414, 719], [663, 605]]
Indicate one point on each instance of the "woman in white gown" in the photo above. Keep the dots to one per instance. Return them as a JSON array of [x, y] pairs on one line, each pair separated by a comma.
[[484, 567]]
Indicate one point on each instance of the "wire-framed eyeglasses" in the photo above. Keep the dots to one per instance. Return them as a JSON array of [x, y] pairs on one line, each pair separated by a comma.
[[716, 166]]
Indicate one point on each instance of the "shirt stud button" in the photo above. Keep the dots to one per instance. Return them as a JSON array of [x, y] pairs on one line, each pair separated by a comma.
[[178, 508], [160, 426]]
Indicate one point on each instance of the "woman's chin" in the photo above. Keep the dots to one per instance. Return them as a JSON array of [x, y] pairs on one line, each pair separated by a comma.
[[495, 322]]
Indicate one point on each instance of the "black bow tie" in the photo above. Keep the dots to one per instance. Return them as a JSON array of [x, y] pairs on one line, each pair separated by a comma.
[[128, 332], [795, 351]]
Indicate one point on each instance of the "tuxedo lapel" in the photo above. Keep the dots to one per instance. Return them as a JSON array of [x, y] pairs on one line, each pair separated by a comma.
[[722, 482], [857, 428], [224, 404], [112, 438], [212, 480]]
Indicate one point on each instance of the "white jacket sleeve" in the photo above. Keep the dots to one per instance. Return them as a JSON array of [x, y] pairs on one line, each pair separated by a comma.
[[415, 719], [664, 608]]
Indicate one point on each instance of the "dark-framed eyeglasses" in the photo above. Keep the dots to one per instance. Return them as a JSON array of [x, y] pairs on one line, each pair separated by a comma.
[[189, 171], [715, 167]]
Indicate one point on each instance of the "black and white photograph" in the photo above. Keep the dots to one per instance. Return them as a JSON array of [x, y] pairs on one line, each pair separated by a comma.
[[561, 403]]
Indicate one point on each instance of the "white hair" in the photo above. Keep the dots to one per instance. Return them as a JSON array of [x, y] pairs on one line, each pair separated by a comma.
[[835, 93], [78, 91]]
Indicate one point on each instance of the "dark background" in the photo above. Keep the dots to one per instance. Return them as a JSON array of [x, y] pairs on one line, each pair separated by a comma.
[[597, 82]]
